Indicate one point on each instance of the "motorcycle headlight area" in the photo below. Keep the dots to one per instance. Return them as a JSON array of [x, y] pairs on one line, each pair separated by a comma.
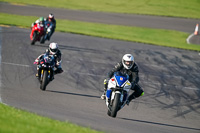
[[44, 65]]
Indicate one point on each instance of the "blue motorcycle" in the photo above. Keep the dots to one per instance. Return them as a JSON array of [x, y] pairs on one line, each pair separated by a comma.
[[117, 93]]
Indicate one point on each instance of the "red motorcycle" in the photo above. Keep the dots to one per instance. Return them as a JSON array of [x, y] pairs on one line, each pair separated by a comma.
[[37, 34]]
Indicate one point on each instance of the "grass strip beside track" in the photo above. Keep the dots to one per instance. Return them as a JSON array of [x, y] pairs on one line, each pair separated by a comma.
[[173, 8], [161, 37], [17, 121]]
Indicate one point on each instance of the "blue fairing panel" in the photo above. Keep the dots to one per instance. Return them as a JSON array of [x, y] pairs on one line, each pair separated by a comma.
[[120, 80]]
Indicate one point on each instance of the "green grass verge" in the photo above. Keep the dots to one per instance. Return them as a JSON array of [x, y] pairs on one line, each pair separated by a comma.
[[17, 121], [175, 8], [160, 37]]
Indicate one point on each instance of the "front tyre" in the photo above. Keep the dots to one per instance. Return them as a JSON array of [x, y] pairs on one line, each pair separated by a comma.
[[44, 80], [34, 38], [115, 105]]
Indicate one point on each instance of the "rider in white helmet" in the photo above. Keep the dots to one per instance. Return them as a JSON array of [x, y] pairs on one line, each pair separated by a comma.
[[127, 65], [51, 19], [52, 50], [128, 61]]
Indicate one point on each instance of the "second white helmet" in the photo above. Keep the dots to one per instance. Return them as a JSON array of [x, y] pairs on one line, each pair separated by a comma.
[[51, 16], [53, 47], [128, 61]]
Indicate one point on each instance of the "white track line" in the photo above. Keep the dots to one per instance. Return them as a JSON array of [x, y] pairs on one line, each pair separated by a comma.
[[14, 64], [0, 63], [189, 37]]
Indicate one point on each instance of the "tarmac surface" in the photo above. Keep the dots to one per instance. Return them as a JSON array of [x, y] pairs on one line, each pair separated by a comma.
[[179, 24], [169, 77]]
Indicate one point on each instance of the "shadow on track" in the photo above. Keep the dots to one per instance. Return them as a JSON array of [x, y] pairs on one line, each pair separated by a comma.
[[72, 48], [76, 94], [161, 124]]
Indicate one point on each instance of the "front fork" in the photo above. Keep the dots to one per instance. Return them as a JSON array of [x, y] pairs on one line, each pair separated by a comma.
[[110, 95], [41, 73]]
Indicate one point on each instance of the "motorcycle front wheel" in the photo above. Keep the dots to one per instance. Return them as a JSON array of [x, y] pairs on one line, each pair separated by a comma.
[[34, 38], [115, 105], [44, 80]]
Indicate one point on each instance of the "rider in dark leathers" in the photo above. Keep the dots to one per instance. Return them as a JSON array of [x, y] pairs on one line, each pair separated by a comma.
[[52, 50], [51, 19], [128, 66]]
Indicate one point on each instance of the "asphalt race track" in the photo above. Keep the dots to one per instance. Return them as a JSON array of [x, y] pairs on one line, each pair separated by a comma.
[[172, 23], [170, 78]]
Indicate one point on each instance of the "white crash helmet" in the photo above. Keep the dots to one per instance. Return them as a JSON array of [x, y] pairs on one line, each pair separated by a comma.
[[51, 16], [53, 48], [128, 61]]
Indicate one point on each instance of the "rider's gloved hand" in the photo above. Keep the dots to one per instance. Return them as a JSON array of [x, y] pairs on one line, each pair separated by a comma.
[[36, 63], [105, 81]]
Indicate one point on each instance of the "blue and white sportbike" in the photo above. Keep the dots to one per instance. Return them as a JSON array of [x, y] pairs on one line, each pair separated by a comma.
[[117, 93]]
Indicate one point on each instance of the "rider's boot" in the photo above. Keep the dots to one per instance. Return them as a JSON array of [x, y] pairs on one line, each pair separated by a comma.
[[137, 93], [48, 38], [127, 102], [52, 78], [36, 75], [58, 70], [103, 96]]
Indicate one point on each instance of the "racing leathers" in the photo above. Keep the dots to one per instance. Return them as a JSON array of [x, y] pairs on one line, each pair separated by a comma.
[[53, 23], [133, 78]]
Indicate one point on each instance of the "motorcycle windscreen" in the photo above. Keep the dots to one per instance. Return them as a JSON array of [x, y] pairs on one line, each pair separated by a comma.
[[120, 80]]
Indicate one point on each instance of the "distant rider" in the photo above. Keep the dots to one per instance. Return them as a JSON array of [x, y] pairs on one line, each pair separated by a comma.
[[51, 19], [52, 50], [128, 66], [39, 21]]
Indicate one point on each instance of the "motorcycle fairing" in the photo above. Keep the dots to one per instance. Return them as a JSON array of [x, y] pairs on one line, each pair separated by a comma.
[[120, 80]]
